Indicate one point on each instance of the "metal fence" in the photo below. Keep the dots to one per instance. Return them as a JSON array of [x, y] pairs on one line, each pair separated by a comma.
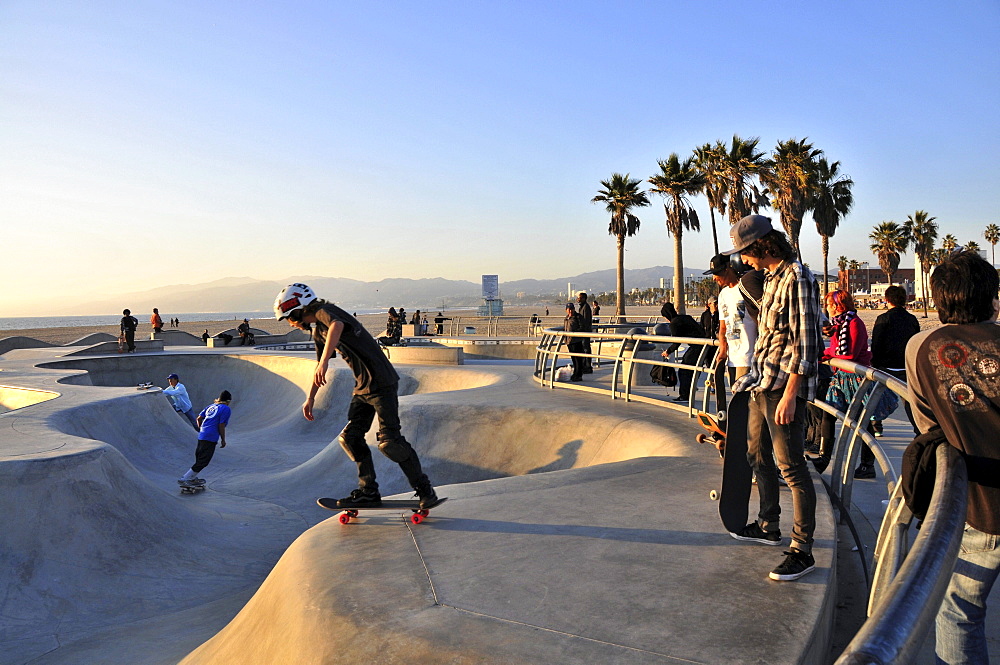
[[906, 582]]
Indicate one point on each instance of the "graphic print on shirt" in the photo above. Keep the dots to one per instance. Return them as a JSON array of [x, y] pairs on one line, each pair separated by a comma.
[[968, 377]]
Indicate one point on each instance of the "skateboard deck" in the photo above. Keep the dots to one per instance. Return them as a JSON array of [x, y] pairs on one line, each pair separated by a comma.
[[191, 488], [734, 499], [413, 505], [715, 423]]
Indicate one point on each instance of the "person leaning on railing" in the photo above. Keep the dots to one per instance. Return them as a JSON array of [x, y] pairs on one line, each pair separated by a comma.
[[954, 384]]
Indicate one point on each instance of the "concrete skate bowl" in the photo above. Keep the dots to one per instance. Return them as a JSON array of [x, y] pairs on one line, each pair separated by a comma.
[[107, 562], [12, 398]]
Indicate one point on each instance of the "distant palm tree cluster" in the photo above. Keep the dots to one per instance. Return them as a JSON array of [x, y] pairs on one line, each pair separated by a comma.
[[739, 179]]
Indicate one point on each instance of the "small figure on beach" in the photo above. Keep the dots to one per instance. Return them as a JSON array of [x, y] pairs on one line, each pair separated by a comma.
[[156, 321], [128, 325], [211, 424], [439, 322], [574, 344], [178, 395], [782, 380], [375, 392], [205, 336], [246, 336], [586, 325]]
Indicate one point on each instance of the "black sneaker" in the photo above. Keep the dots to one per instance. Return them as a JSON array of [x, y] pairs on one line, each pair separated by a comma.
[[795, 565], [877, 426], [821, 463], [360, 499], [428, 497], [753, 533], [865, 471]]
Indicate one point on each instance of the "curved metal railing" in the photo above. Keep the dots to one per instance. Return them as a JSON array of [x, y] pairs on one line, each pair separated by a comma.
[[908, 583]]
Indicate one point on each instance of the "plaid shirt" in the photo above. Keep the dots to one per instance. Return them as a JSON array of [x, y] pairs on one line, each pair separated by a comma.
[[789, 340]]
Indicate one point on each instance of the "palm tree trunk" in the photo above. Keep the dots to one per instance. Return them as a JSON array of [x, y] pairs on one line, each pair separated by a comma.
[[926, 283], [620, 307], [826, 266], [715, 235], [678, 274]]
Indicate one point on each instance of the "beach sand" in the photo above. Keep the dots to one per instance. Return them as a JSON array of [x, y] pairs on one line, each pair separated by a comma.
[[375, 323]]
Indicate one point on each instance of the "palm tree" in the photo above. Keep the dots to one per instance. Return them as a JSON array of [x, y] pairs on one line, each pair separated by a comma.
[[842, 262], [949, 243], [791, 180], [620, 194], [853, 264], [831, 201], [739, 164], [889, 240], [992, 235], [922, 232], [708, 158], [675, 182], [972, 245]]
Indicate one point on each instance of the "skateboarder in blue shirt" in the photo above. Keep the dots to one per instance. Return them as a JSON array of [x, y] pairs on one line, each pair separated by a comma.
[[375, 392], [212, 431]]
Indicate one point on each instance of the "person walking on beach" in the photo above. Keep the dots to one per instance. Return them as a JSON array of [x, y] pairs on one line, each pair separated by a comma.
[[211, 424], [128, 325], [782, 379], [156, 321], [375, 392], [178, 396], [952, 385]]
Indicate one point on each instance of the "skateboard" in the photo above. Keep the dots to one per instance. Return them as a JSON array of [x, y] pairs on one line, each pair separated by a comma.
[[734, 498], [144, 386], [413, 505], [715, 424], [121, 343], [191, 488]]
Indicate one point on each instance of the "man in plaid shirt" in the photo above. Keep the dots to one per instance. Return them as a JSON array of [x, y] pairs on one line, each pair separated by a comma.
[[782, 379]]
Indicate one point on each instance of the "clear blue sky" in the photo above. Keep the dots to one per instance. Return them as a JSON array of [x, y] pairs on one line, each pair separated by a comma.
[[152, 143]]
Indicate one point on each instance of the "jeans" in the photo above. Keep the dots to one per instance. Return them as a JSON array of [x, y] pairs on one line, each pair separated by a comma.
[[785, 445], [961, 621], [685, 376]]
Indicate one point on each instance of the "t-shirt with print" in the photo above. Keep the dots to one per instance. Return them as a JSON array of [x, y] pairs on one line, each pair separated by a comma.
[[741, 329], [372, 370], [213, 415]]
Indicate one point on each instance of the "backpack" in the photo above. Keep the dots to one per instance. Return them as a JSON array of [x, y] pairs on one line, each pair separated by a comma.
[[919, 468], [663, 375]]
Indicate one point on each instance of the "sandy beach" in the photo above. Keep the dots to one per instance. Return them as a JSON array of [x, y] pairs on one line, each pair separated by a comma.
[[516, 325]]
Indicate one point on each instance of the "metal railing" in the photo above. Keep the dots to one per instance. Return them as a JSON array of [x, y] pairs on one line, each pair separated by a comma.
[[908, 583]]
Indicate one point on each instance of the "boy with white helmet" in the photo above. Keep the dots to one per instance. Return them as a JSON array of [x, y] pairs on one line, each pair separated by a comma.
[[375, 392]]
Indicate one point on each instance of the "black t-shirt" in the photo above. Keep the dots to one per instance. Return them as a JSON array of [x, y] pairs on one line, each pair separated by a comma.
[[890, 334], [372, 370], [129, 323], [752, 288]]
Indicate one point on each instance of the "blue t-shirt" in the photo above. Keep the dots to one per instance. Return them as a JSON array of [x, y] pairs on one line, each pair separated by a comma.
[[214, 415]]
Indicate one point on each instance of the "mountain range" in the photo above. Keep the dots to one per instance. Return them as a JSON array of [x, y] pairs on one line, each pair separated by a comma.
[[246, 294]]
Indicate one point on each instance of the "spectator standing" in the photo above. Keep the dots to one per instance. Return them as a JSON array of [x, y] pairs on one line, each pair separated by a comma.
[[439, 322], [128, 325], [586, 325], [890, 334], [737, 328], [682, 325], [572, 323], [953, 372], [596, 310], [156, 321], [782, 379]]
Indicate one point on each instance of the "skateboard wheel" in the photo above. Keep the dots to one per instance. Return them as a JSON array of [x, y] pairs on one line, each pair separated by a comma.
[[714, 495], [416, 518], [701, 438], [344, 518], [424, 512]]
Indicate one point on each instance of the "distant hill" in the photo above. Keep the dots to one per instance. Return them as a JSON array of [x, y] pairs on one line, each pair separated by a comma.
[[236, 294]]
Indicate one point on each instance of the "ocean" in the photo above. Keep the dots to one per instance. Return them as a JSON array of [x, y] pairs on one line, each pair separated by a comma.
[[28, 322]]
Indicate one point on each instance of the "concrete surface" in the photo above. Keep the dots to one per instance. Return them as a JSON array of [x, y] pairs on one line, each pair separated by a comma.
[[578, 529]]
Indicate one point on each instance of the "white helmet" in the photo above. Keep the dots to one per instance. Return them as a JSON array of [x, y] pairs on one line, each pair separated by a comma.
[[291, 298]]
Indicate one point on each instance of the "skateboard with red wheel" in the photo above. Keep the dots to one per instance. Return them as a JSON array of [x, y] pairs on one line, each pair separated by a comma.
[[715, 423], [413, 505]]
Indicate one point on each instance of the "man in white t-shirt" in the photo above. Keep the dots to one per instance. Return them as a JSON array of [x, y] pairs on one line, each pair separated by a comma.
[[737, 328]]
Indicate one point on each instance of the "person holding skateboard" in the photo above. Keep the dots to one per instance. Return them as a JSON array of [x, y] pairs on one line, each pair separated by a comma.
[[211, 423], [128, 325], [375, 392], [781, 381]]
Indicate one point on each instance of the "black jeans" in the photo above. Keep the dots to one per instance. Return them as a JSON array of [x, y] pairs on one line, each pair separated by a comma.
[[203, 454], [360, 415], [685, 376], [576, 346]]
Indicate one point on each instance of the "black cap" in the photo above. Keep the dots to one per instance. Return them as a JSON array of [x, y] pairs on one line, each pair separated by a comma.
[[720, 262]]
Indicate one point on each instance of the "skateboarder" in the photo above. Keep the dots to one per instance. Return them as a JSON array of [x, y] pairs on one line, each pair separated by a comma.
[[178, 396], [781, 381], [211, 431], [375, 392]]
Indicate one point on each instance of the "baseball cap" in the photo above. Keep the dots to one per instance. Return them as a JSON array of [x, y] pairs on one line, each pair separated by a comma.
[[720, 262], [172, 376], [747, 231], [571, 306]]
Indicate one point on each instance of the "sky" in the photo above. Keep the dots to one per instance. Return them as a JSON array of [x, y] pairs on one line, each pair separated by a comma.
[[145, 144]]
